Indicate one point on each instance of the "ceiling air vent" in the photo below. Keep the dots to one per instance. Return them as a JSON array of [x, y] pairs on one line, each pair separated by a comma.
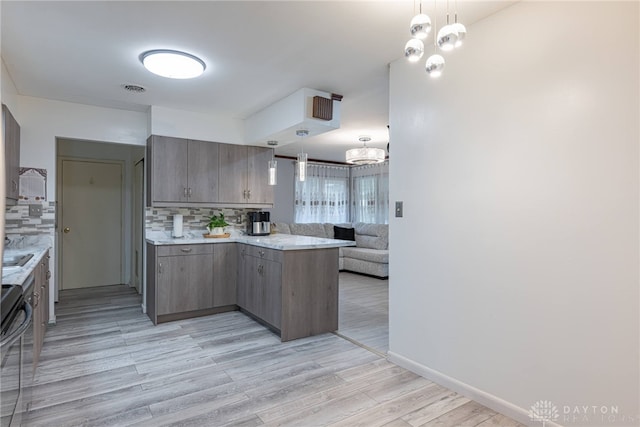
[[134, 88]]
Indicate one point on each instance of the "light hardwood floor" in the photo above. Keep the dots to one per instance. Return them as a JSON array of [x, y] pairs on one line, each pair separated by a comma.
[[364, 310], [105, 364]]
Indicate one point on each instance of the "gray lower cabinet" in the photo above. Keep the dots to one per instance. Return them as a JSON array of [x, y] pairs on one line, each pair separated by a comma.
[[11, 130], [260, 286], [190, 280], [40, 307], [294, 292], [225, 262]]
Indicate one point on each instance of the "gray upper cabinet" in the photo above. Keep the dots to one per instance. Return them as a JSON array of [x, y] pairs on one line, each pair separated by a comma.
[[12, 155], [203, 171], [232, 171], [243, 172], [259, 190], [181, 171]]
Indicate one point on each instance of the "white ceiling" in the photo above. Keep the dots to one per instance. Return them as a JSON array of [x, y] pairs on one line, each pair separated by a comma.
[[256, 53]]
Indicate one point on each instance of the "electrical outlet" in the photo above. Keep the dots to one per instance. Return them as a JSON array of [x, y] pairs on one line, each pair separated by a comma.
[[35, 210], [398, 209]]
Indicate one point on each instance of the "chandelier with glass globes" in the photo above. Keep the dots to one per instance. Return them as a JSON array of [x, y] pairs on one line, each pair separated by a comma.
[[449, 37]]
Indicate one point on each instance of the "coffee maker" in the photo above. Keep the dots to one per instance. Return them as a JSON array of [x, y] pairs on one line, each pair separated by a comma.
[[258, 224]]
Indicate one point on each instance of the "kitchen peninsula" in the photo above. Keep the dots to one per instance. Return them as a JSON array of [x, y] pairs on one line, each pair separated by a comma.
[[287, 282]]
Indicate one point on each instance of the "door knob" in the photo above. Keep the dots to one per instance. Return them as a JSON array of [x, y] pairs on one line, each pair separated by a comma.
[[66, 229]]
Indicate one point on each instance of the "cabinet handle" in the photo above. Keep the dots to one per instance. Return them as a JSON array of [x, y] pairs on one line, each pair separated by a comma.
[[186, 250], [261, 253], [260, 269], [248, 194], [244, 194], [190, 192], [48, 274], [184, 190], [14, 184], [159, 268]]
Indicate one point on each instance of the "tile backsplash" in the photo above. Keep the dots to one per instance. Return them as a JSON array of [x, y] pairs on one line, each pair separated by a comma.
[[18, 221], [194, 219]]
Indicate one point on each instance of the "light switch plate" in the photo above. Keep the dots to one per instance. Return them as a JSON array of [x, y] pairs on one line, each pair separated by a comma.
[[398, 209], [35, 210]]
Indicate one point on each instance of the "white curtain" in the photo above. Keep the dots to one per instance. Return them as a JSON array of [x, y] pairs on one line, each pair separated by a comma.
[[370, 193], [323, 196]]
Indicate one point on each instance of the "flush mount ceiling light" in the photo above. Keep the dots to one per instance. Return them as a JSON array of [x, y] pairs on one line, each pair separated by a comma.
[[172, 64], [365, 155]]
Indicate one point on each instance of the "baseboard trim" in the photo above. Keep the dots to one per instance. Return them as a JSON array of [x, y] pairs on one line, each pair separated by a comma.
[[490, 401]]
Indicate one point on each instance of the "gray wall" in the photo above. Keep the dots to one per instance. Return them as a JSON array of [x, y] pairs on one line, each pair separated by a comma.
[[283, 192]]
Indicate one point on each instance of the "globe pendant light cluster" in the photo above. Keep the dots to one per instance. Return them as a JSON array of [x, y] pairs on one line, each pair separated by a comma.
[[448, 38]]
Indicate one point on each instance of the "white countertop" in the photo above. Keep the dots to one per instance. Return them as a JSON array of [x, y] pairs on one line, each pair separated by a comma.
[[17, 276], [282, 242]]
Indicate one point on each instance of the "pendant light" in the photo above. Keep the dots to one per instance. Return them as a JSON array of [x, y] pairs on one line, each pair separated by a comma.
[[435, 63], [414, 49], [420, 25], [460, 28], [302, 156], [273, 165], [365, 155]]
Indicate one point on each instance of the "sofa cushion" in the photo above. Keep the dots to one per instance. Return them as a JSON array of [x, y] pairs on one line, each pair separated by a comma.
[[311, 229], [342, 233], [372, 255], [372, 236]]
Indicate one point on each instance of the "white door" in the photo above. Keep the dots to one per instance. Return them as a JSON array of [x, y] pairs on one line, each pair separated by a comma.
[[91, 223]]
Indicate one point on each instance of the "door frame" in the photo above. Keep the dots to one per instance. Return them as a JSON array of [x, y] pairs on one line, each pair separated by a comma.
[[141, 218], [60, 209]]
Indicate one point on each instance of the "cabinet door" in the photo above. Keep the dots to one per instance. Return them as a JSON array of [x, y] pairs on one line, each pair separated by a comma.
[[12, 153], [184, 283], [232, 173], [259, 190], [225, 266], [247, 281], [203, 172], [169, 160], [270, 279]]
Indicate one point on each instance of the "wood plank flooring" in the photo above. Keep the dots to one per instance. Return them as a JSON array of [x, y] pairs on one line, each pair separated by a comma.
[[105, 364], [364, 310]]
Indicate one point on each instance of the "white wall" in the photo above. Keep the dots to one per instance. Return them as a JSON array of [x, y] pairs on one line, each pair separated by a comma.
[[514, 272], [184, 124], [42, 121]]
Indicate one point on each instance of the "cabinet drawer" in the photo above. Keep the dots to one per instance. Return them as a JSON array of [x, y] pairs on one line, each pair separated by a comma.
[[264, 253], [173, 250]]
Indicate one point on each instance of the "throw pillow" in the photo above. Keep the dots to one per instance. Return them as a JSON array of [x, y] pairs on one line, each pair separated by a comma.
[[342, 233]]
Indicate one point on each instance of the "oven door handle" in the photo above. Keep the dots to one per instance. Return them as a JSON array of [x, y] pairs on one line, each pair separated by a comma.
[[21, 329]]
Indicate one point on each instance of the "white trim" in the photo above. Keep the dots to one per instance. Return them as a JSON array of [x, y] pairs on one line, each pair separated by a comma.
[[489, 400]]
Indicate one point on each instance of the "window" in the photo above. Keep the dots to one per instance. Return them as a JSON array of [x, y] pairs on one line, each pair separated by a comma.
[[323, 196], [370, 193]]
